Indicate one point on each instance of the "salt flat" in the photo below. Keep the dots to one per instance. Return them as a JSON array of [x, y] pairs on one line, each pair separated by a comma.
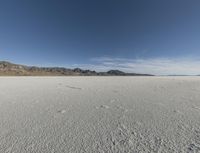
[[99, 114]]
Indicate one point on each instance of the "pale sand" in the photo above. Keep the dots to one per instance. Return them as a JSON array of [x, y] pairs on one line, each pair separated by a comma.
[[99, 114]]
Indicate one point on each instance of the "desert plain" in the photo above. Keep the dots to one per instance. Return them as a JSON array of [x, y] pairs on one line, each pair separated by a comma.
[[100, 114]]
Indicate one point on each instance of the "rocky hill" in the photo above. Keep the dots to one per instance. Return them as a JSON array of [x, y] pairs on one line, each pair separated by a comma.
[[10, 69]]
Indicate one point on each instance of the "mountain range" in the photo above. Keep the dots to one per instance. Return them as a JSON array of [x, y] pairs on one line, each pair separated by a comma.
[[11, 69]]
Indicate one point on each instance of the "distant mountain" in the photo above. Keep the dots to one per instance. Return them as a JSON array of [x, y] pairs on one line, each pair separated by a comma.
[[10, 69], [116, 72]]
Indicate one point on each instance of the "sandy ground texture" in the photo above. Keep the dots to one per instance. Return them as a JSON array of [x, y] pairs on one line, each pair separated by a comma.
[[99, 114]]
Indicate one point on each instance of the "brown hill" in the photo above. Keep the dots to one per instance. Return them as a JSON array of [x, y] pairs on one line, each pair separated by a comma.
[[10, 69]]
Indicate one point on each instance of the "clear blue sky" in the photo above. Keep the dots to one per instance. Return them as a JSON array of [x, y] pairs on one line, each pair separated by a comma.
[[101, 34]]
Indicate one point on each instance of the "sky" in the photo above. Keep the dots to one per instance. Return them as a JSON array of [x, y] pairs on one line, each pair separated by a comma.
[[143, 36]]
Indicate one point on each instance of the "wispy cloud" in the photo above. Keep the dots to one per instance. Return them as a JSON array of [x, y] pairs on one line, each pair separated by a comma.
[[157, 66]]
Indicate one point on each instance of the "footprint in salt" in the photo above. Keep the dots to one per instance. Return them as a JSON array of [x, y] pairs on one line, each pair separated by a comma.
[[62, 111], [123, 109], [177, 112], [119, 107], [104, 106], [72, 87], [195, 107]]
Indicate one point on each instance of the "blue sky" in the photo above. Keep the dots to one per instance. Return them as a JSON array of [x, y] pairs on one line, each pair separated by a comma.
[[157, 36]]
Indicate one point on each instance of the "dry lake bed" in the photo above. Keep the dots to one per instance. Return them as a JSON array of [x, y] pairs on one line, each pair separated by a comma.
[[99, 114]]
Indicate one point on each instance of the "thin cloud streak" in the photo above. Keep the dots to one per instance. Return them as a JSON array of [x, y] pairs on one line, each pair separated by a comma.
[[156, 66]]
